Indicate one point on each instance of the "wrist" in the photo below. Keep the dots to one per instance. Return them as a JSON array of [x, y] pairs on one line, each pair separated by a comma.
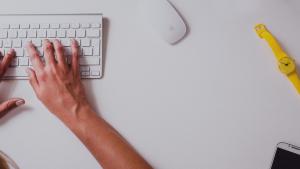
[[80, 118], [80, 113]]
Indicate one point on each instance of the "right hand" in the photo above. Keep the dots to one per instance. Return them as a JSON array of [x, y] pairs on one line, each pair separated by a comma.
[[55, 83]]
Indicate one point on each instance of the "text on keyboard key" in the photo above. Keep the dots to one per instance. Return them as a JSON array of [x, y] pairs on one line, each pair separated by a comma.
[[80, 33]]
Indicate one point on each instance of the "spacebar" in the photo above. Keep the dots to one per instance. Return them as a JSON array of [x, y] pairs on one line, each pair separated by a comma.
[[18, 71]]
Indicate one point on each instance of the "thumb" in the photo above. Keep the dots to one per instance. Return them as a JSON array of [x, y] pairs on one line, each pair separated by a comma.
[[10, 104]]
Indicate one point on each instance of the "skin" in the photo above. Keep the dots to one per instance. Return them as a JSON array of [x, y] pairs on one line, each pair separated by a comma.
[[9, 104], [54, 78]]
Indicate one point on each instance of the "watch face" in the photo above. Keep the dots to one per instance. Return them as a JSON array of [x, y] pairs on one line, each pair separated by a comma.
[[287, 65]]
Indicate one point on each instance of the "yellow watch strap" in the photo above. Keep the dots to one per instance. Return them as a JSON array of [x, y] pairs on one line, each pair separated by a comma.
[[293, 77], [263, 33]]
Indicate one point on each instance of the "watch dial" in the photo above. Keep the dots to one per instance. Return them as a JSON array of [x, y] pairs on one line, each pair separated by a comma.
[[287, 65]]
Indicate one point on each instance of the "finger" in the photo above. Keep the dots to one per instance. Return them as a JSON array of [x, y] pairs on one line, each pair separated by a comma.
[[32, 79], [10, 104], [60, 53], [75, 57], [49, 52], [34, 57], [6, 61]]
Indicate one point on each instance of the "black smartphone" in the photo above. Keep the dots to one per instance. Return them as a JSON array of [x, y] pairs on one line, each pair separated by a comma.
[[287, 156]]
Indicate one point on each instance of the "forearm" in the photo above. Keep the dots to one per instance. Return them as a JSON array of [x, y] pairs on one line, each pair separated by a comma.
[[110, 149]]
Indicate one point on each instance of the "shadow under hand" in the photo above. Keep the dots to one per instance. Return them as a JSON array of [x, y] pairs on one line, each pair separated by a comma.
[[5, 117]]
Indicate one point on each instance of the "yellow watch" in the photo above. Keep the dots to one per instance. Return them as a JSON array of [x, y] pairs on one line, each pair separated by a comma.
[[286, 64]]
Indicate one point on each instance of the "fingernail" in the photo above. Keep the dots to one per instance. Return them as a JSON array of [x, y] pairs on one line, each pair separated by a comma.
[[20, 102]]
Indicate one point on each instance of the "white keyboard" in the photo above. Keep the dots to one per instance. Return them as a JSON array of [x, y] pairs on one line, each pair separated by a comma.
[[17, 30]]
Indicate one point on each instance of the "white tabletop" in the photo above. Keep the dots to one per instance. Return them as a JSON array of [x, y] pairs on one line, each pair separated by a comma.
[[214, 101]]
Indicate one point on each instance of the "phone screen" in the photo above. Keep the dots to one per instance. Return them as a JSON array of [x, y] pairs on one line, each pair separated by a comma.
[[286, 160]]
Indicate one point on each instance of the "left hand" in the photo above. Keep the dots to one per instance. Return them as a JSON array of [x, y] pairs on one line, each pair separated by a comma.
[[9, 104]]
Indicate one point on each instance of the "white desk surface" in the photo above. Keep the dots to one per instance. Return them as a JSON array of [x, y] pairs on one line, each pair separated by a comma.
[[214, 101]]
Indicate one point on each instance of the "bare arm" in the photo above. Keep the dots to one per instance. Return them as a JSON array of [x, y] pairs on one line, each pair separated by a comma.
[[59, 87]]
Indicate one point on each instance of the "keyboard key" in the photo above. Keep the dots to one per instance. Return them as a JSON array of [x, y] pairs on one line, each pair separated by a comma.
[[93, 33], [51, 33], [54, 26], [96, 46], [87, 51], [80, 33], [25, 41], [84, 68], [14, 26], [95, 70], [7, 43], [41, 33], [4, 26], [31, 33], [17, 43], [23, 61], [3, 34], [64, 25], [12, 34], [19, 52], [20, 71], [85, 42], [34, 26], [85, 25], [45, 26], [71, 33], [95, 73], [85, 73], [37, 42], [61, 33], [89, 60], [65, 42], [24, 26], [95, 25], [75, 25], [22, 33]]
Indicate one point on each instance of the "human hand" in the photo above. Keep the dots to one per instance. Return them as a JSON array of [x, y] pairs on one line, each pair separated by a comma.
[[56, 83], [9, 104]]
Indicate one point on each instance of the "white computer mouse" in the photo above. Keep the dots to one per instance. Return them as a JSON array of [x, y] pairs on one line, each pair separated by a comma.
[[164, 19]]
